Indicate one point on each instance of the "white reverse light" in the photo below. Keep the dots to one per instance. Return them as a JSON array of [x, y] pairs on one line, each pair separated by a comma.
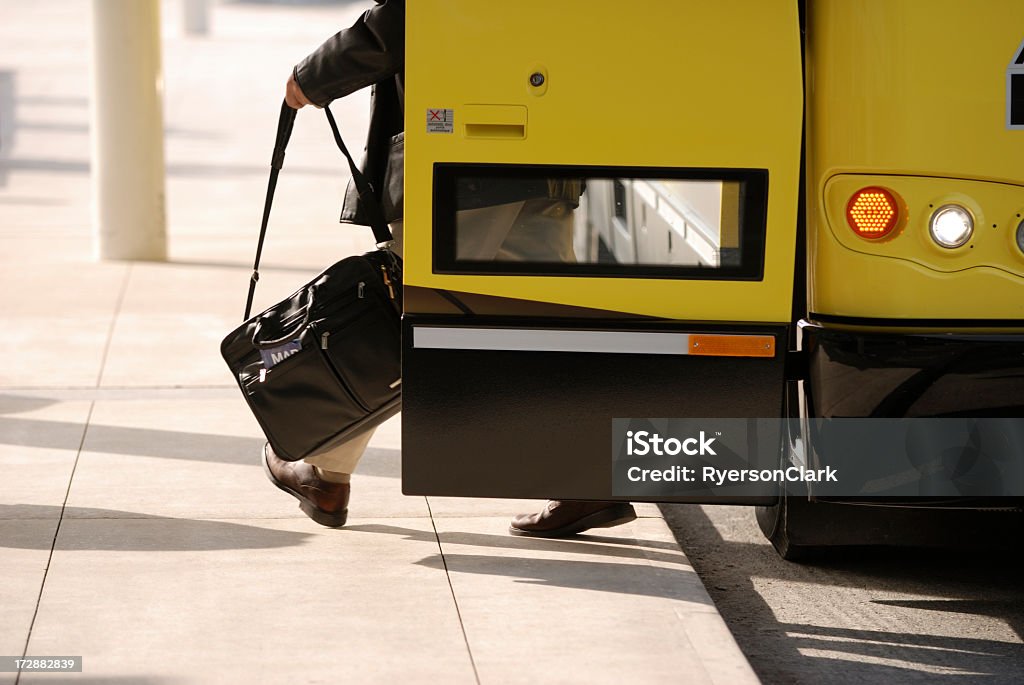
[[951, 226]]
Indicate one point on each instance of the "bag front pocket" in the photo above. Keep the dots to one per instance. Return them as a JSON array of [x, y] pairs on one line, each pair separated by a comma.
[[366, 354], [300, 402]]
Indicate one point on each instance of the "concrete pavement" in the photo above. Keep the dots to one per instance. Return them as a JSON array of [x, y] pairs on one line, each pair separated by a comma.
[[136, 526]]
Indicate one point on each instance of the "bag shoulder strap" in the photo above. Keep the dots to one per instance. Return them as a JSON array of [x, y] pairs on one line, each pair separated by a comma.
[[366, 191], [285, 123]]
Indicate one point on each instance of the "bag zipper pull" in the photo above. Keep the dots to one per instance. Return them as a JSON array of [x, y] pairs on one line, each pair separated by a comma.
[[387, 281], [362, 290], [323, 340]]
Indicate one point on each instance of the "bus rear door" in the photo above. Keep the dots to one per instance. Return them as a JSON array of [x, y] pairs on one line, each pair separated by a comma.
[[600, 222]]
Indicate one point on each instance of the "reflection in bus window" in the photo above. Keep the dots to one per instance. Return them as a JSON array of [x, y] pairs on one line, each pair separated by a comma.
[[701, 223], [619, 209], [651, 221], [517, 219], [615, 221]]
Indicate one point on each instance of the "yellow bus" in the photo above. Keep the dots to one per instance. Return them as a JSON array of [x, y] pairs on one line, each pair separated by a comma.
[[745, 209]]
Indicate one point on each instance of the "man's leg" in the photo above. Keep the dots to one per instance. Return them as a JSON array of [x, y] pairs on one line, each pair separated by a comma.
[[338, 464], [321, 482], [541, 232], [480, 233]]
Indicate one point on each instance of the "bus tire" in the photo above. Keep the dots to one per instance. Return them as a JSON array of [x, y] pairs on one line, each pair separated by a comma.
[[780, 522]]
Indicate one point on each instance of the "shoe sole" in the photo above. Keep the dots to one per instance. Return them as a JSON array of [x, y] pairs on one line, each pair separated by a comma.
[[606, 518], [322, 517]]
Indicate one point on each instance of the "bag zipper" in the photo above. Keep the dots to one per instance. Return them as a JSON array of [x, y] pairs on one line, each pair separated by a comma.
[[387, 281]]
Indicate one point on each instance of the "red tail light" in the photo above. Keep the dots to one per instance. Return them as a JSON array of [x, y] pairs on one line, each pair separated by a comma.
[[873, 212]]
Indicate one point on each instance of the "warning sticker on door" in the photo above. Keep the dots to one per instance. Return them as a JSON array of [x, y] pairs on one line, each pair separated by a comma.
[[440, 121]]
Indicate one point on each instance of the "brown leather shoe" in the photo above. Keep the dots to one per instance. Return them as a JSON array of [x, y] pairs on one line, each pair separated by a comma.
[[323, 501], [560, 519]]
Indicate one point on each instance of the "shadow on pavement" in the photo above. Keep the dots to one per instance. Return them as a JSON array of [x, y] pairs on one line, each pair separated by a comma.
[[154, 442], [933, 650], [17, 404], [143, 442], [628, 579], [636, 579], [621, 548], [86, 528]]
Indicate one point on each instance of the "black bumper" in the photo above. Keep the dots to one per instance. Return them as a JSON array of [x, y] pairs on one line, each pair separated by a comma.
[[876, 374], [879, 374]]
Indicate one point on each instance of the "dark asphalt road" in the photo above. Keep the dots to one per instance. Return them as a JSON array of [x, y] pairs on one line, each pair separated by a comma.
[[868, 615]]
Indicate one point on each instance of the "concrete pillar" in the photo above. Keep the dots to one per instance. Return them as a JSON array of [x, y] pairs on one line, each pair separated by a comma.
[[127, 131], [197, 17]]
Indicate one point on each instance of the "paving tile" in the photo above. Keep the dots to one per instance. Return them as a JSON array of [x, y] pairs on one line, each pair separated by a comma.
[[201, 459], [52, 209], [51, 351], [24, 551], [39, 440], [168, 349], [172, 458], [169, 328], [69, 250], [41, 291], [56, 320], [622, 605], [246, 601]]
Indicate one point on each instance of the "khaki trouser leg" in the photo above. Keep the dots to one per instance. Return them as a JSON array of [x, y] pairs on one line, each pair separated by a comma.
[[479, 233], [345, 457], [541, 232], [537, 230]]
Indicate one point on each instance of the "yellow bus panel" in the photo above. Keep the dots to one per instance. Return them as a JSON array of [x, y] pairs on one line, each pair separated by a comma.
[[718, 86]]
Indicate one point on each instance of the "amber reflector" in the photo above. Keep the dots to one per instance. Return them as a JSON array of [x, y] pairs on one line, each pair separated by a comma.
[[732, 345], [872, 213]]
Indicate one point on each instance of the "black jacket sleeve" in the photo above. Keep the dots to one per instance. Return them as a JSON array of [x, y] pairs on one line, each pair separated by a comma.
[[368, 52]]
